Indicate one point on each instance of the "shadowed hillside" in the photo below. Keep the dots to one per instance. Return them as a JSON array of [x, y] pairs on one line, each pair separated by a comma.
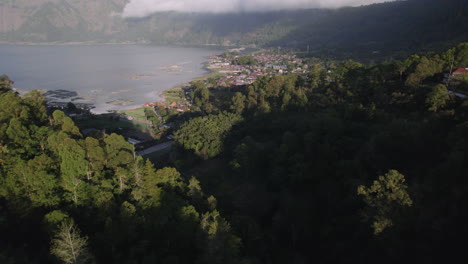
[[393, 29]]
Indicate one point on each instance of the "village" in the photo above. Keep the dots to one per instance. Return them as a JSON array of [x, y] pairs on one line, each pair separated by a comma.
[[227, 70], [235, 72]]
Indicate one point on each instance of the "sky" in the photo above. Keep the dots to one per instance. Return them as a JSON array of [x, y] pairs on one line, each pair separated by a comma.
[[141, 8]]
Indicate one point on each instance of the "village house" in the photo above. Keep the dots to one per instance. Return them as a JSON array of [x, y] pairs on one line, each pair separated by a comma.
[[456, 72], [460, 71], [182, 109]]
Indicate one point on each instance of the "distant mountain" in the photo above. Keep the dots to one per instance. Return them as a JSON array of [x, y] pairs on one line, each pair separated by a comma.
[[60, 20], [393, 28], [221, 29], [100, 21]]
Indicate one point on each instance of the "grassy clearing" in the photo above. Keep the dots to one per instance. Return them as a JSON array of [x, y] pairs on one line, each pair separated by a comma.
[[213, 74], [173, 93], [138, 113]]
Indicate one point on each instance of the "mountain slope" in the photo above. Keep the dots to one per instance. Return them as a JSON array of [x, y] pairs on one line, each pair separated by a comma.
[[396, 27], [381, 30], [59, 20]]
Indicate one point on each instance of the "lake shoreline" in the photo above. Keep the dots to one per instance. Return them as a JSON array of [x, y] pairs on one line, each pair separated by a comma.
[[185, 84], [110, 77]]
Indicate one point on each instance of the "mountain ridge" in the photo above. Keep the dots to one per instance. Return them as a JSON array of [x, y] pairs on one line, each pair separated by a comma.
[[393, 28]]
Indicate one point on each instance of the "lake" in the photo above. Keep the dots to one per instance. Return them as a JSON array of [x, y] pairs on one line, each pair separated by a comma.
[[109, 77]]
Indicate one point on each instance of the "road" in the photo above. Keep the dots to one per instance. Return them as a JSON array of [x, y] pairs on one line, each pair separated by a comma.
[[457, 94], [155, 148]]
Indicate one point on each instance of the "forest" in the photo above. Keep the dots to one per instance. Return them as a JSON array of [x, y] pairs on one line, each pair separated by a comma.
[[352, 163]]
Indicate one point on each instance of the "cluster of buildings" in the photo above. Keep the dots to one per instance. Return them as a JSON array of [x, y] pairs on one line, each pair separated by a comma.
[[267, 65]]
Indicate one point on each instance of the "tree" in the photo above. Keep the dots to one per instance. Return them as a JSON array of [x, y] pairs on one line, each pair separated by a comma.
[[138, 171], [425, 68], [69, 246], [316, 76], [95, 156], [152, 117], [66, 124], [252, 96], [220, 246], [149, 191], [238, 103], [195, 191], [73, 167], [205, 135], [461, 82], [36, 102], [119, 151], [20, 136], [4, 78], [201, 94], [169, 178], [461, 55], [403, 66], [162, 112], [385, 198], [437, 98], [55, 219], [5, 83], [71, 107], [245, 60], [35, 181]]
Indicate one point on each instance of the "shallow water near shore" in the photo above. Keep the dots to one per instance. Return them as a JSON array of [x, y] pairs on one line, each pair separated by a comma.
[[106, 77]]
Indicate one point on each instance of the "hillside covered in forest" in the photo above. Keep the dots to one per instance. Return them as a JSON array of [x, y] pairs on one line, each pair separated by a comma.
[[349, 164]]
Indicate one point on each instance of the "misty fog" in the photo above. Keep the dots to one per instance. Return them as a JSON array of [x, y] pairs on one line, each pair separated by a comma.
[[141, 8]]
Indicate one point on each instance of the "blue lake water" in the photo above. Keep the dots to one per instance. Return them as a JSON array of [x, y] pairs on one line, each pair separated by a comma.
[[110, 77]]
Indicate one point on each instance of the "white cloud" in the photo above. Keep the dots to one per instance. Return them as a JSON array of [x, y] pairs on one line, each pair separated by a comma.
[[141, 8]]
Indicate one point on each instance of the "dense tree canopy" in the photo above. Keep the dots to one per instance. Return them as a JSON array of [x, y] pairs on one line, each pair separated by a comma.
[[205, 135], [299, 175], [349, 164], [245, 60], [69, 199]]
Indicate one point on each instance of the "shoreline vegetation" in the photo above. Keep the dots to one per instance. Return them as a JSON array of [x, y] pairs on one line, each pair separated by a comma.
[[134, 123], [211, 73]]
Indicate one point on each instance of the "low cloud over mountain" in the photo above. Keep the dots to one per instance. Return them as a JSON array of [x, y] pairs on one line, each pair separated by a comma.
[[141, 8]]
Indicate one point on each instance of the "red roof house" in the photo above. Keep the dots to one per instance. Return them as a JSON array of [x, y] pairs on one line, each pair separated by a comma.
[[460, 71]]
